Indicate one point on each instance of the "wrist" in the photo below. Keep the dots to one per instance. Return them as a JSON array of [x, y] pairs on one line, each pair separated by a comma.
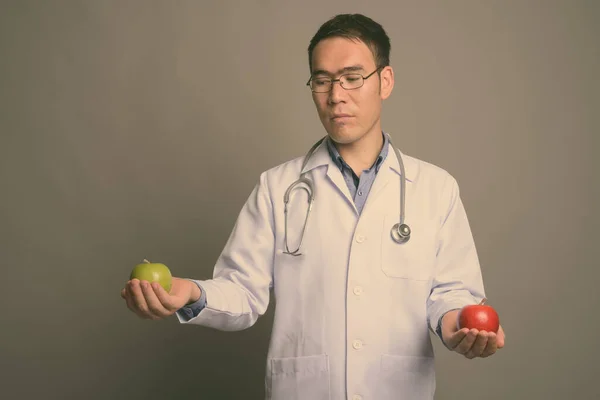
[[449, 319], [195, 293]]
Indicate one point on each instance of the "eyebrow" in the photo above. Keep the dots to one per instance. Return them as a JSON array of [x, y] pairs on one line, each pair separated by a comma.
[[352, 68]]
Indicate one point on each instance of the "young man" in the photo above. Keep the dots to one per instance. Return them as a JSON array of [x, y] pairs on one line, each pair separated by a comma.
[[355, 299]]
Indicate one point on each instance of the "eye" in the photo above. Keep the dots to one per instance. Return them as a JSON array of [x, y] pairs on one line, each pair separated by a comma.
[[321, 81]]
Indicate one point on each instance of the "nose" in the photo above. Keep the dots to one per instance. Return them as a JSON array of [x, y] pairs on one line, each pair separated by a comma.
[[337, 93]]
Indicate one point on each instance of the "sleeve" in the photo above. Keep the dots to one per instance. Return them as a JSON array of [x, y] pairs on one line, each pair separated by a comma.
[[238, 294], [457, 280]]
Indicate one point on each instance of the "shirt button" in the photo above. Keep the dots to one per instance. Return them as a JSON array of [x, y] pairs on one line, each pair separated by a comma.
[[360, 238], [356, 397], [357, 344], [360, 192], [358, 290]]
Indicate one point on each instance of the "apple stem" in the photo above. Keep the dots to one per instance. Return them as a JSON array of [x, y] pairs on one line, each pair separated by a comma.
[[146, 261], [483, 301]]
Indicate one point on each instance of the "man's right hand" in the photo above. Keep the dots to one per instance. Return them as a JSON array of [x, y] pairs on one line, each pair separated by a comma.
[[151, 301]]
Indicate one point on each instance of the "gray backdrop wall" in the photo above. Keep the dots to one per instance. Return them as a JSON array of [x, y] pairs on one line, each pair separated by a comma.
[[134, 129]]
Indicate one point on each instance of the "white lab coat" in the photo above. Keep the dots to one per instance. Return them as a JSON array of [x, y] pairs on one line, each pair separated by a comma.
[[353, 313]]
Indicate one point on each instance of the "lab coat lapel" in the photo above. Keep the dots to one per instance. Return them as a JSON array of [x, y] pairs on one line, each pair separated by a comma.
[[383, 176], [321, 157], [390, 170], [335, 176], [380, 182]]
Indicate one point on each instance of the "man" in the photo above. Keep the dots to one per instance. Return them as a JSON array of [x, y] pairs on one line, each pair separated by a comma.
[[354, 307]]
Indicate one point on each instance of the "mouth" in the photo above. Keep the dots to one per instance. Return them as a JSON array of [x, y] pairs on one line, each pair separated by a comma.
[[341, 117]]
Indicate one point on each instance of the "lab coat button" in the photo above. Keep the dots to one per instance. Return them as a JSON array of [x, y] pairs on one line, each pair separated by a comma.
[[358, 290], [360, 238], [357, 344]]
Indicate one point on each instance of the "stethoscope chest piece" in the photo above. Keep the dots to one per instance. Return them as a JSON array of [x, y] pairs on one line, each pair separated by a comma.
[[400, 233]]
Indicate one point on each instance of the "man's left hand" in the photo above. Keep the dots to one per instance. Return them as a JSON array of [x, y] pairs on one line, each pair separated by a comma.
[[471, 343]]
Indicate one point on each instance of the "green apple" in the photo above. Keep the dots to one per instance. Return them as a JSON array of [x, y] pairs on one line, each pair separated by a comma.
[[153, 272]]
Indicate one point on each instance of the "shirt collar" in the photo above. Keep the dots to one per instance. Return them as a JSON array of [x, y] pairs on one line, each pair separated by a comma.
[[339, 161]]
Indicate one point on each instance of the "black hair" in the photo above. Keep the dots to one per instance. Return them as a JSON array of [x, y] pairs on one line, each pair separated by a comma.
[[355, 27]]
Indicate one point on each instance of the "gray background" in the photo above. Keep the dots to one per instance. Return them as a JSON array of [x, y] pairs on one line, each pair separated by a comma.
[[138, 129]]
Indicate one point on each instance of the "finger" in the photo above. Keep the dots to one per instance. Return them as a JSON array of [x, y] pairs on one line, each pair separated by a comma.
[[478, 346], [456, 338], [129, 298], [123, 292], [492, 345], [155, 308], [138, 300], [465, 345]]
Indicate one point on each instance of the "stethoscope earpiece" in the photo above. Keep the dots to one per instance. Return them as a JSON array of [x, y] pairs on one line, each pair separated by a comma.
[[400, 233]]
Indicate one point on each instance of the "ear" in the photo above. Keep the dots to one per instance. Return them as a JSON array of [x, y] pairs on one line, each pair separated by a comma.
[[387, 82]]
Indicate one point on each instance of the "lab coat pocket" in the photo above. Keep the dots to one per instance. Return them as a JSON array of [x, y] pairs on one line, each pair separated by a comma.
[[413, 259], [299, 378], [409, 377]]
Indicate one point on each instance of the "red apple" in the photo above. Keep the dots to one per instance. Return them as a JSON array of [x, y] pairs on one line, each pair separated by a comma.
[[479, 316]]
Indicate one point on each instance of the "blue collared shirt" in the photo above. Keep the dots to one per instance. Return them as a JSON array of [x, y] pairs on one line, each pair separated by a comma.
[[359, 189], [359, 186]]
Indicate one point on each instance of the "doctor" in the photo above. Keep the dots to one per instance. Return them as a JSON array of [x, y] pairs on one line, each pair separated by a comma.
[[354, 306]]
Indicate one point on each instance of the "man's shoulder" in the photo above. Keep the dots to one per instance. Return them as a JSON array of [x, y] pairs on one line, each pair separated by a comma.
[[277, 174], [290, 166], [426, 170]]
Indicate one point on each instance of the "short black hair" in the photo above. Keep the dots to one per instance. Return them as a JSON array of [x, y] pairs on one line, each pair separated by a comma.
[[353, 27]]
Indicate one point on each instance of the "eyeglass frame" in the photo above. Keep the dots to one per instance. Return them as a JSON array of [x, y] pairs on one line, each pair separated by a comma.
[[333, 81]]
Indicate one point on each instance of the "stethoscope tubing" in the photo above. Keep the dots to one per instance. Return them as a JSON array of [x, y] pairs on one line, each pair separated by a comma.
[[400, 232]]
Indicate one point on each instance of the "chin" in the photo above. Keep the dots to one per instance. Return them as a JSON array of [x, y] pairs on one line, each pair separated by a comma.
[[344, 136]]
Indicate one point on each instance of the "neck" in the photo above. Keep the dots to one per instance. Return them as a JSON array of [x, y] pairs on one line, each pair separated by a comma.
[[361, 154]]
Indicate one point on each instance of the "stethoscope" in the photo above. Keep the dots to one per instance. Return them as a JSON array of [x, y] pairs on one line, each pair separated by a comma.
[[400, 232]]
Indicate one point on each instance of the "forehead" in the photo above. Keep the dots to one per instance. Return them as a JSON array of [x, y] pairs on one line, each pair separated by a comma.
[[333, 54]]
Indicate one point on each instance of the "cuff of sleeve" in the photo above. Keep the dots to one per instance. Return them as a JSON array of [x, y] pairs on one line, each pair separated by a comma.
[[190, 311], [438, 330], [437, 311]]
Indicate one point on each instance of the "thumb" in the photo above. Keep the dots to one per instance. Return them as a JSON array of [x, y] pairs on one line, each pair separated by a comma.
[[453, 339], [500, 336], [178, 296]]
